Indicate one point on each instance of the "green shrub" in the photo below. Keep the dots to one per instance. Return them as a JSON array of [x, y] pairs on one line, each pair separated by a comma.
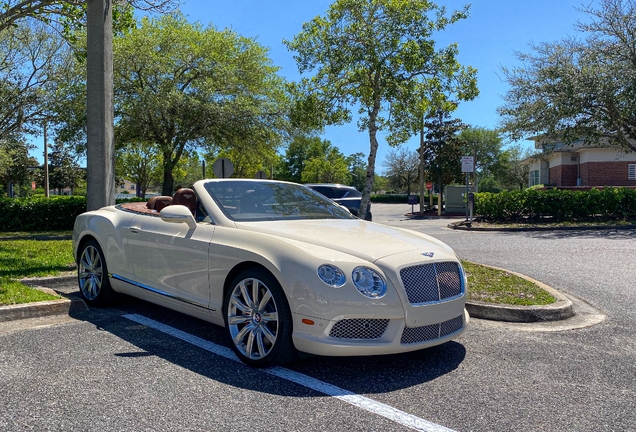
[[556, 205], [390, 198], [40, 214]]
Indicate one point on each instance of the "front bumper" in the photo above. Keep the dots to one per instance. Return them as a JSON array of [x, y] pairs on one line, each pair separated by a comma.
[[396, 338]]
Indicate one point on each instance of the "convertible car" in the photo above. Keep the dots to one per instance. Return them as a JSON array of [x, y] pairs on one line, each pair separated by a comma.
[[282, 268]]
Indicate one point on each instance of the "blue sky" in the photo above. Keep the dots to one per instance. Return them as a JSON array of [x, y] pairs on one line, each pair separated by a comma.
[[487, 40]]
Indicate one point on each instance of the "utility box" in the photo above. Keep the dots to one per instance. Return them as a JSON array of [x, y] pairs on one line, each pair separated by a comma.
[[455, 198]]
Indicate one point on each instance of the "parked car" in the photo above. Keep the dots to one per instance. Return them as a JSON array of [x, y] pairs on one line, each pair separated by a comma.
[[347, 196], [281, 267]]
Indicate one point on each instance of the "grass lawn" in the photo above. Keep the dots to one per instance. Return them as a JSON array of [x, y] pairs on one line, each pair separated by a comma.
[[496, 286], [30, 258], [40, 257]]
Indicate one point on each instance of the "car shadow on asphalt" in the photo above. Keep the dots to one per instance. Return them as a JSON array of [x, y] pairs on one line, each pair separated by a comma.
[[368, 375], [610, 234]]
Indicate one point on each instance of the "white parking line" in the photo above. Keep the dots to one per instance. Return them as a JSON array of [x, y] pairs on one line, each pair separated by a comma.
[[365, 403]]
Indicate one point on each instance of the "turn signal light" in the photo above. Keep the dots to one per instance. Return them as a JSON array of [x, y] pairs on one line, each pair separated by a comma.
[[307, 321]]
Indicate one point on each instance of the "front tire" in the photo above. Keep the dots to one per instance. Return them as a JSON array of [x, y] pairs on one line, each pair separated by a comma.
[[92, 275], [258, 320]]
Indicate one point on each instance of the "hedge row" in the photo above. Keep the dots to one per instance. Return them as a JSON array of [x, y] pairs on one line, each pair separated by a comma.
[[558, 205], [56, 213]]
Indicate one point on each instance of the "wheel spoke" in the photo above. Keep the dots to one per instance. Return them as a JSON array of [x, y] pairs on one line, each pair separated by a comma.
[[268, 334], [269, 316], [255, 293], [264, 300], [241, 335], [236, 302], [246, 295], [238, 319], [259, 344], [83, 275], [249, 345]]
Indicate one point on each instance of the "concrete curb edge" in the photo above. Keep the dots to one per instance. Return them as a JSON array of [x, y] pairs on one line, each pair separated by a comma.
[[559, 310], [63, 306], [457, 226]]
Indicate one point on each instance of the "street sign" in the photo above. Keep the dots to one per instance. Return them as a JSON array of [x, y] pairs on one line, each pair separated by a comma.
[[261, 175], [223, 168], [429, 185], [468, 164]]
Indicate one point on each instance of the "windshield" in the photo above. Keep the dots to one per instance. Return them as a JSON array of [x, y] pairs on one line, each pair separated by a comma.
[[266, 200]]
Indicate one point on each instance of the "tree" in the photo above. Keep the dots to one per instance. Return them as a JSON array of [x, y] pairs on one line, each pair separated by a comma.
[[485, 145], [402, 167], [378, 55], [357, 170], [300, 150], [32, 57], [579, 88], [185, 87], [140, 163], [64, 171], [513, 173], [69, 13], [15, 162], [329, 168], [443, 150]]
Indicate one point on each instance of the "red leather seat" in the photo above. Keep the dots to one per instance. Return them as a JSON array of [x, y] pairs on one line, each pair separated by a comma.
[[159, 202], [186, 197]]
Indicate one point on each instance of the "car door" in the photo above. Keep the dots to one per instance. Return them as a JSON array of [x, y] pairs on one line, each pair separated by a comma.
[[171, 259]]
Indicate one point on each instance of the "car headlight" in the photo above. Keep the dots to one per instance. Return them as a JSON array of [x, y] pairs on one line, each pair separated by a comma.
[[331, 275], [369, 282]]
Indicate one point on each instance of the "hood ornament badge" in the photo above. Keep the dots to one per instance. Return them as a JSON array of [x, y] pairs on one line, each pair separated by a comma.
[[428, 254]]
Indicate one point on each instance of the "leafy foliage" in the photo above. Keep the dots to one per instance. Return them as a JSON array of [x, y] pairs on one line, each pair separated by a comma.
[[443, 149], [380, 56], [402, 168], [579, 88], [556, 205], [184, 87]]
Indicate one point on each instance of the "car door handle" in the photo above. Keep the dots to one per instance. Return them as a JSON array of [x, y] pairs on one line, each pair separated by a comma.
[[134, 229]]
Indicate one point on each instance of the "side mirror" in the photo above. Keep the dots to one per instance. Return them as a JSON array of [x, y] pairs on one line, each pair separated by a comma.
[[178, 214]]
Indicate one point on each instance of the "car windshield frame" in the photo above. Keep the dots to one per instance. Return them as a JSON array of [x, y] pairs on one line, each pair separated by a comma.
[[266, 200]]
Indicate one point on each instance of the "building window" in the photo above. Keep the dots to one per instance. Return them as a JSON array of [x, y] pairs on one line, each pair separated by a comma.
[[631, 171], [534, 177], [132, 187]]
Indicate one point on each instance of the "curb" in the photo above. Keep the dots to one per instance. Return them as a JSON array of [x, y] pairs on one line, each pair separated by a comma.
[[559, 310], [459, 227], [65, 306]]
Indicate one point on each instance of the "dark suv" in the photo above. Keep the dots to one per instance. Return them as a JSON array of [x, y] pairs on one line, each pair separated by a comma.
[[347, 196]]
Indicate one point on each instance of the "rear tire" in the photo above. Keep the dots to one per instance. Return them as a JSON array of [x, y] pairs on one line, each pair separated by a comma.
[[258, 320], [92, 275]]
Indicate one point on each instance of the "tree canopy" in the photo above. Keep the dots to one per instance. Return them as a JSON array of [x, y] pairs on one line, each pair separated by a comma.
[[380, 56], [579, 88], [183, 87], [401, 168]]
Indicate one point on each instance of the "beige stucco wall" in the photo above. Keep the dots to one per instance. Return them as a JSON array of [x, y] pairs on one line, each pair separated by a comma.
[[606, 155]]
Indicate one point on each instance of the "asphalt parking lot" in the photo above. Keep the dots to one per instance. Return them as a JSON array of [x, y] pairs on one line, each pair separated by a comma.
[[140, 367]]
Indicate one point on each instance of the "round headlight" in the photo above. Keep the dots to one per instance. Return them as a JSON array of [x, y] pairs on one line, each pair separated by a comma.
[[331, 275], [368, 282]]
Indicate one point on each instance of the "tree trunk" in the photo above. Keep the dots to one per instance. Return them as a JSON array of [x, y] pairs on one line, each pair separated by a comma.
[[373, 144], [422, 167], [168, 179], [100, 146]]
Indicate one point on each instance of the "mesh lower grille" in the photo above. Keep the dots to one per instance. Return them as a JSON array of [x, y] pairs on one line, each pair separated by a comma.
[[359, 328], [431, 282], [412, 335]]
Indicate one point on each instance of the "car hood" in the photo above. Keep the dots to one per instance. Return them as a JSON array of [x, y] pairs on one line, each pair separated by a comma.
[[369, 241]]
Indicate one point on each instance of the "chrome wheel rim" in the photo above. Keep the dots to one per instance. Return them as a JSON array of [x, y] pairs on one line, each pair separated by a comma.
[[90, 272], [252, 318]]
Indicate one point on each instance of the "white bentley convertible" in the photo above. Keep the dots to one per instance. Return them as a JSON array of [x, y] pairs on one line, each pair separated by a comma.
[[281, 267]]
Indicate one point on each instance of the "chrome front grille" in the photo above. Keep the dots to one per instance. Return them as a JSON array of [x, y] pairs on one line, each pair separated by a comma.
[[359, 328], [412, 335], [428, 283]]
